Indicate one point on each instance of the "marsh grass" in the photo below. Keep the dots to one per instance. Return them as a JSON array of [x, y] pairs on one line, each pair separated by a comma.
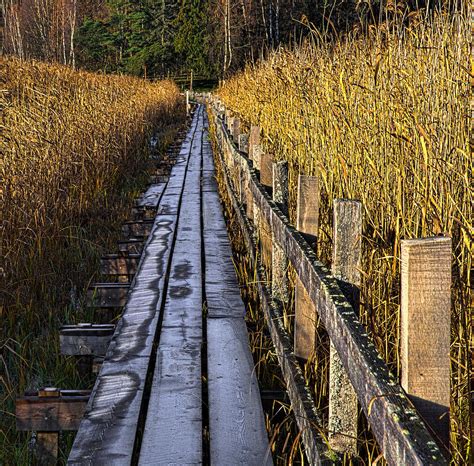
[[380, 117], [75, 153]]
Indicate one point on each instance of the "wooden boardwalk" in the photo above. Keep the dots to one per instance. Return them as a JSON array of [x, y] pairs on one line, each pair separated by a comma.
[[179, 363]]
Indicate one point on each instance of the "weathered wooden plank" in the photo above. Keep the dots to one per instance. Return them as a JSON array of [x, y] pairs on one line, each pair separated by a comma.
[[221, 285], [115, 264], [425, 329], [173, 434], [85, 339], [173, 428], [397, 426], [107, 295], [108, 430], [63, 411], [237, 426], [346, 266]]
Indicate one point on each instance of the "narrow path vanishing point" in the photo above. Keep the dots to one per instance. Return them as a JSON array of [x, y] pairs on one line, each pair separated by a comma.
[[183, 325]]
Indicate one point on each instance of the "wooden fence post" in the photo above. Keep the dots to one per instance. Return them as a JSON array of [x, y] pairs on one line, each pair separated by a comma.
[[254, 139], [266, 169], [307, 222], [243, 142], [279, 259], [425, 328], [346, 263], [47, 443], [236, 129]]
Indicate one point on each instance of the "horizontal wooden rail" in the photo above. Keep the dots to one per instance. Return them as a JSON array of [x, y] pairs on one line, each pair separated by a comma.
[[398, 428]]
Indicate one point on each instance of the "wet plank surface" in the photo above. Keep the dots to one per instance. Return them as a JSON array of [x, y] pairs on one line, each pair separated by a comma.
[[147, 405]]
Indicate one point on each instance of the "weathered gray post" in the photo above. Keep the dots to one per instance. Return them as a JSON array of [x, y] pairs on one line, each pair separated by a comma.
[[279, 259], [254, 139], [346, 264], [236, 129], [307, 222], [425, 328]]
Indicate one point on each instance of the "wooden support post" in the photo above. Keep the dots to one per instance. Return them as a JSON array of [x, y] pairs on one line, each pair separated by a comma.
[[254, 140], [307, 222], [243, 143], [236, 129], [107, 295], [346, 264], [425, 329], [266, 169], [187, 103], [279, 259], [47, 443], [257, 156]]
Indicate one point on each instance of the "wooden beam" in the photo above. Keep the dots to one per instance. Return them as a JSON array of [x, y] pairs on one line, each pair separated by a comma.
[[107, 295], [346, 266], [307, 222], [51, 410], [425, 329], [85, 339]]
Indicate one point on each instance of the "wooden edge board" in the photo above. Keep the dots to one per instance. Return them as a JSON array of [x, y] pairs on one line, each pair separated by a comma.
[[398, 428]]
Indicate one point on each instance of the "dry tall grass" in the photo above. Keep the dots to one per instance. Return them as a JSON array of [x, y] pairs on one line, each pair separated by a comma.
[[73, 143], [381, 118]]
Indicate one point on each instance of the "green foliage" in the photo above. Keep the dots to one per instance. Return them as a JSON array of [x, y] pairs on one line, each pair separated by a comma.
[[146, 37]]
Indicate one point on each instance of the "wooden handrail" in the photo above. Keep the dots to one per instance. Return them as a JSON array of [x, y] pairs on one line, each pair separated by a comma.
[[397, 426]]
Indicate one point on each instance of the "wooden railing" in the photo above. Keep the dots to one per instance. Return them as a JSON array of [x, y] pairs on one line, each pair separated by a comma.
[[410, 424]]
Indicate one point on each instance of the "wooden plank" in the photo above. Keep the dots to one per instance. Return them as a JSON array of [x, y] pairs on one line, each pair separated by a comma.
[[425, 329], [236, 129], [392, 415], [115, 264], [108, 295], [346, 266], [307, 218], [237, 425], [108, 430], [221, 285], [63, 411], [85, 339], [173, 428]]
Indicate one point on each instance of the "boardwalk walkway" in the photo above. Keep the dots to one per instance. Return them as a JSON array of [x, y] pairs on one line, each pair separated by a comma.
[[179, 363]]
